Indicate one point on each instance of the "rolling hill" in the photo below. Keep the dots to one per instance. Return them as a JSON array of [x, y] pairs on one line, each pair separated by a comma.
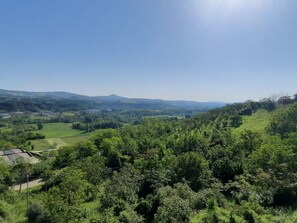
[[17, 100]]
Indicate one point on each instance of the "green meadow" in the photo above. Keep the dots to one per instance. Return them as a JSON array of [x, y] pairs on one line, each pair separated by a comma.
[[59, 130], [58, 135], [257, 122]]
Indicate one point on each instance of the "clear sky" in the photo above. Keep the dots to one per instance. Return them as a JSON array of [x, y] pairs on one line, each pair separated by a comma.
[[222, 50]]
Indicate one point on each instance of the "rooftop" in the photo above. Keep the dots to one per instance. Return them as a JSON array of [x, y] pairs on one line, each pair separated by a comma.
[[11, 156]]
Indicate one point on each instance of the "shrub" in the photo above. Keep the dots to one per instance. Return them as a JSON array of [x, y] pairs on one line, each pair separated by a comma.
[[37, 213]]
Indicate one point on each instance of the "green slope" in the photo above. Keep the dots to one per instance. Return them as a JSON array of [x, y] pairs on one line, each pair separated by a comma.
[[257, 122]]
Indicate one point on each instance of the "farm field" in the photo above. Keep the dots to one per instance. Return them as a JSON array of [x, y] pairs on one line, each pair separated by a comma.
[[58, 135]]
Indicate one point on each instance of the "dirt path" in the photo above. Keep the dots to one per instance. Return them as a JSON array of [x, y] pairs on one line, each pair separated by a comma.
[[32, 183]]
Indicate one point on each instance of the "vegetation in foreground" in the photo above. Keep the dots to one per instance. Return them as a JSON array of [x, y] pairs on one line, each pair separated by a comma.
[[193, 170]]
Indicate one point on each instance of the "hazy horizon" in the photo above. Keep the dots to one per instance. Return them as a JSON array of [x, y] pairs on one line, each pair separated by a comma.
[[273, 96], [210, 50], [133, 97]]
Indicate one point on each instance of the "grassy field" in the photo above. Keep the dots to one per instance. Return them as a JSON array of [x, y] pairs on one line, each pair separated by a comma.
[[256, 122], [56, 142], [41, 144], [58, 130], [76, 139], [58, 135], [68, 113]]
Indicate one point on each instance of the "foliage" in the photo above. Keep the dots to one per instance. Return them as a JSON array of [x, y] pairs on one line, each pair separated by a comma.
[[193, 168], [215, 167], [64, 201], [284, 121], [37, 213]]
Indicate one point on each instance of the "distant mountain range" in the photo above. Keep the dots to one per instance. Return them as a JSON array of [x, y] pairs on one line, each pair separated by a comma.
[[111, 101]]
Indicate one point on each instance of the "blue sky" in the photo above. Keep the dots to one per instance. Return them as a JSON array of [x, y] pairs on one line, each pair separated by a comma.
[[204, 50]]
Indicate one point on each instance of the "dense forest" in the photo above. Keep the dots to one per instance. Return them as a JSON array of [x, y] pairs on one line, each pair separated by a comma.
[[198, 169]]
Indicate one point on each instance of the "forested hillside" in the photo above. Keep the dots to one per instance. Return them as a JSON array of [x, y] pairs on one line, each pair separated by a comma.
[[208, 168], [12, 101]]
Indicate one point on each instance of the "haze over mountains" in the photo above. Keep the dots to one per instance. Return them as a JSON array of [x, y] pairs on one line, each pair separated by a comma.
[[111, 101]]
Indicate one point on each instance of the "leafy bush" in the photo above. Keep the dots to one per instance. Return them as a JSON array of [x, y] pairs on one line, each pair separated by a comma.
[[37, 213]]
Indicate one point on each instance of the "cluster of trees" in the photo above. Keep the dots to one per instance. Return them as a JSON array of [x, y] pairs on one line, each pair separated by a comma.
[[19, 136], [59, 103], [12, 104], [192, 170], [116, 119], [91, 121]]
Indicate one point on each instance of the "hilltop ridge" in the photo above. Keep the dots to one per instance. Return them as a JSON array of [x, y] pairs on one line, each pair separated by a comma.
[[95, 102]]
